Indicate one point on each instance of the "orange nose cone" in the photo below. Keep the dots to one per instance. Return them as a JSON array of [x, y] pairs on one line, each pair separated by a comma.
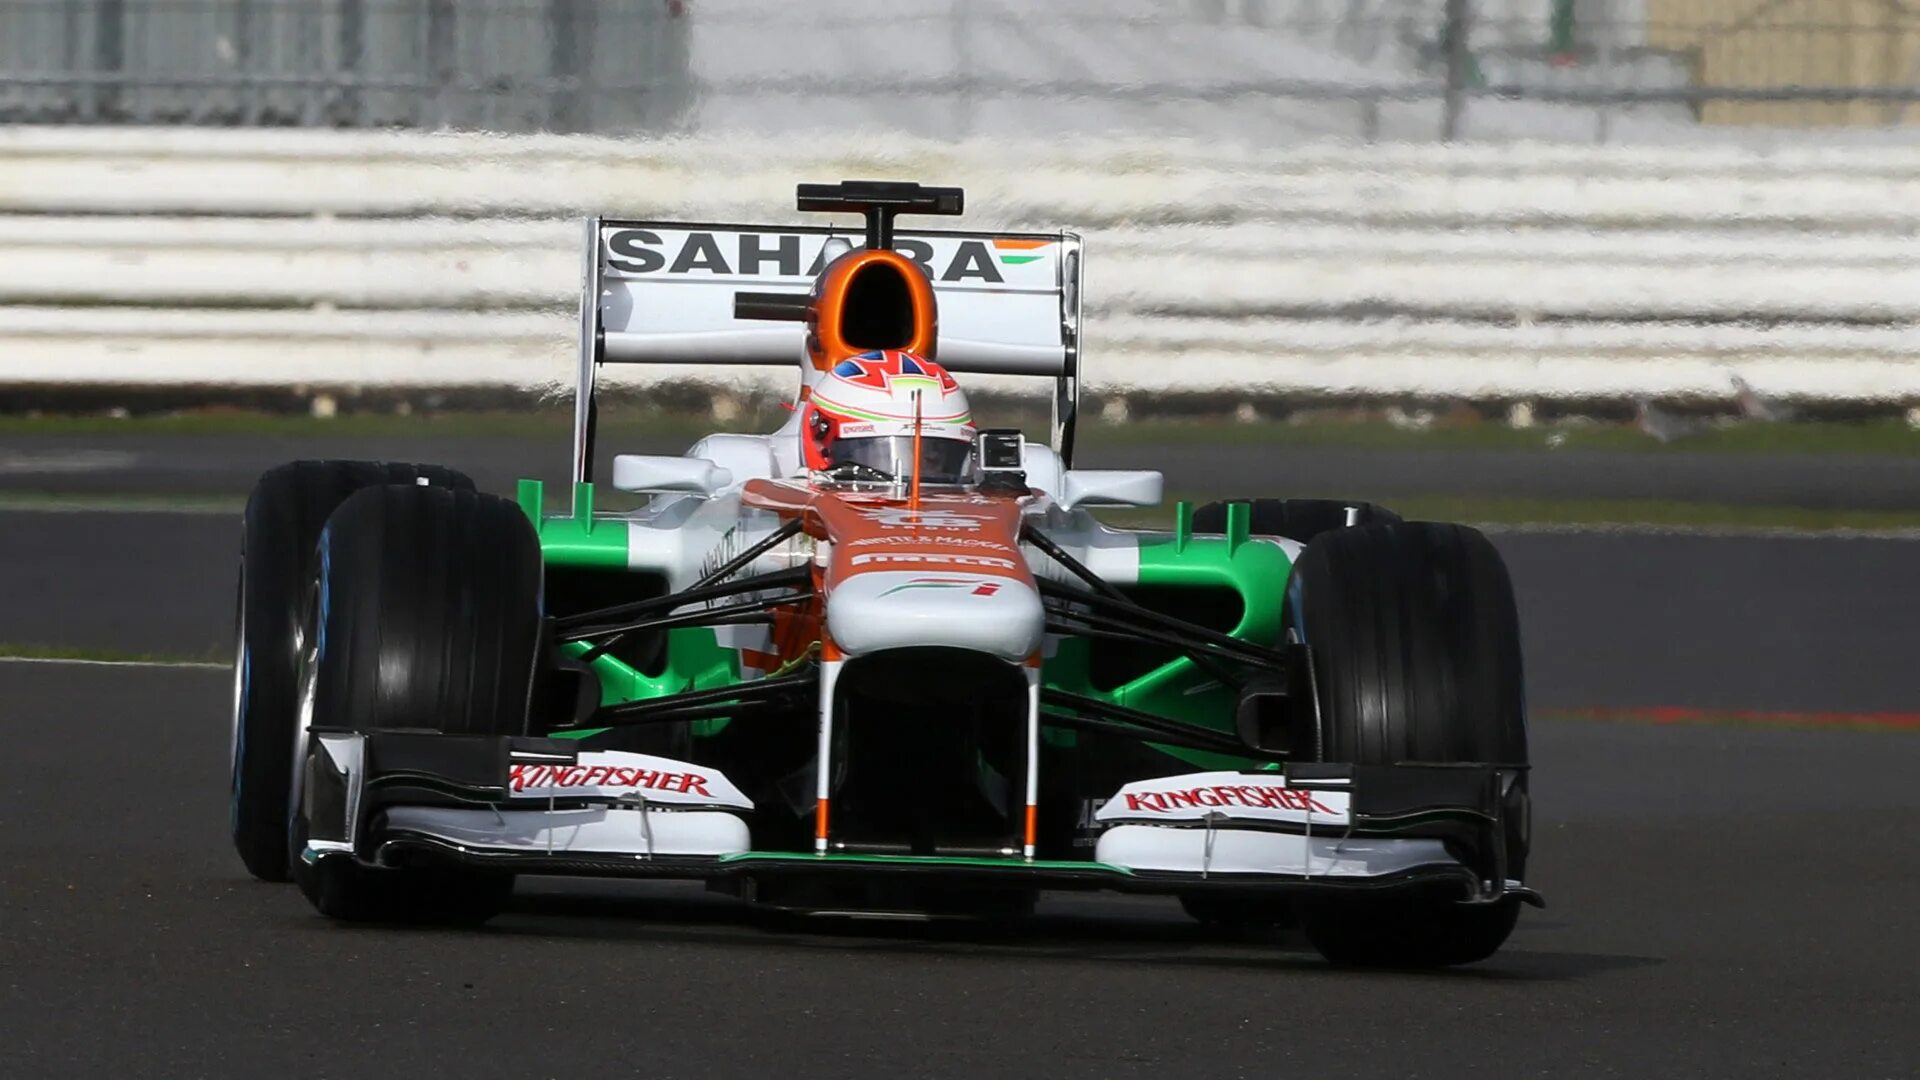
[[866, 300]]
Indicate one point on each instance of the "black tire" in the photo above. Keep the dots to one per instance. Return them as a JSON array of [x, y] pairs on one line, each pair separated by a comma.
[[1295, 519], [1407, 931], [284, 515], [1416, 658], [427, 618], [1237, 912]]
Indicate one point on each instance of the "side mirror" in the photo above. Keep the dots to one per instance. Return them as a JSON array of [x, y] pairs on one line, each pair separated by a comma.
[[1110, 487], [664, 473]]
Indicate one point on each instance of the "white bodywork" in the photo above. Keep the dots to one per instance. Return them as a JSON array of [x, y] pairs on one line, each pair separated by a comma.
[[642, 832], [1248, 823], [1249, 851], [666, 293], [615, 803], [898, 609], [676, 534]]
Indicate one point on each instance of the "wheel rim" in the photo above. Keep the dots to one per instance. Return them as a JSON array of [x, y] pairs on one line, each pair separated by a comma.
[[239, 677], [242, 676], [307, 648]]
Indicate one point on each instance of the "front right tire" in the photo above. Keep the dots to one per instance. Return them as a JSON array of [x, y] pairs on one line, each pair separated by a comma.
[[1416, 659]]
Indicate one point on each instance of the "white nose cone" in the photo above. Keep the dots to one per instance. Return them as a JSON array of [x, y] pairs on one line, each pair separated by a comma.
[[999, 616]]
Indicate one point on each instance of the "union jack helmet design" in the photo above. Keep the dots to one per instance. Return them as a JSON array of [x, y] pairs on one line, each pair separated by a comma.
[[861, 409]]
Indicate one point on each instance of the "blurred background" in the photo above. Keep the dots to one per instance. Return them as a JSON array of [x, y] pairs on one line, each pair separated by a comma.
[[1632, 285], [1581, 70], [1632, 281]]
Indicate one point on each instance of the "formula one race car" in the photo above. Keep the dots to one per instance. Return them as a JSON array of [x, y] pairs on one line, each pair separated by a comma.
[[880, 660]]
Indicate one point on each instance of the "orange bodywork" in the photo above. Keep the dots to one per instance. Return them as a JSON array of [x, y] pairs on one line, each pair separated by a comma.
[[826, 342], [969, 533]]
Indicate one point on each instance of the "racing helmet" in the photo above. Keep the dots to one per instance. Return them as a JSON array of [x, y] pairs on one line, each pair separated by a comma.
[[859, 420]]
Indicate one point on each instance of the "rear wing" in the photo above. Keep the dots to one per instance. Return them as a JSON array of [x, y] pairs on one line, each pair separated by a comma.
[[664, 292]]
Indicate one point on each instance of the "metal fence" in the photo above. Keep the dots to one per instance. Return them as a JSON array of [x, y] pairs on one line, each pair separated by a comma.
[[508, 65], [1372, 68], [1719, 63]]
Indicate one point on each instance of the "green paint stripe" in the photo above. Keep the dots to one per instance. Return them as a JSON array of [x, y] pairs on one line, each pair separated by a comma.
[[1016, 260], [582, 541]]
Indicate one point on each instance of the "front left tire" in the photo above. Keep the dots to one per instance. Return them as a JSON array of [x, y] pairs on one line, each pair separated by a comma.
[[284, 515], [425, 615]]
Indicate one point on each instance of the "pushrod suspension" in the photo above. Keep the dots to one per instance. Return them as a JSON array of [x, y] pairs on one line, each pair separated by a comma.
[[1106, 594], [720, 699], [1063, 624], [760, 547], [1072, 565], [622, 617], [1114, 727], [1125, 613], [1128, 721], [1176, 637], [739, 613]]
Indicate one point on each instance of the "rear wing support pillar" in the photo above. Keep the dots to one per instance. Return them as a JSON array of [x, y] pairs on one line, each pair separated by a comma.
[[592, 349]]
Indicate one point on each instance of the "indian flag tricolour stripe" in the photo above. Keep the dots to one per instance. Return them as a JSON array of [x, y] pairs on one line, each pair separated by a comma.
[[1016, 252]]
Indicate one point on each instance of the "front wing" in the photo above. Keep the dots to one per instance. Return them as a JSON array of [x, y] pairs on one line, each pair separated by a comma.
[[547, 806]]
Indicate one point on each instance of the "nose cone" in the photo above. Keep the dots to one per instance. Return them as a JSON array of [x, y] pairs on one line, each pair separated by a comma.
[[999, 616]]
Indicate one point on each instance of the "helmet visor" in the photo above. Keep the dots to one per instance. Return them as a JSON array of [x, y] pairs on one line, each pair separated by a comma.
[[889, 458]]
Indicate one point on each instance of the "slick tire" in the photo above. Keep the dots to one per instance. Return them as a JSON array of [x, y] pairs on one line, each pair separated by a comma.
[[1295, 519], [425, 616], [284, 515], [1416, 658], [1414, 931], [1237, 913]]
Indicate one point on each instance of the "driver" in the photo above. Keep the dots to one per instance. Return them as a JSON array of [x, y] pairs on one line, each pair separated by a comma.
[[858, 424]]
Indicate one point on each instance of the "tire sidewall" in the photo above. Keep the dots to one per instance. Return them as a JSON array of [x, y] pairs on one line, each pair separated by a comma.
[[283, 518]]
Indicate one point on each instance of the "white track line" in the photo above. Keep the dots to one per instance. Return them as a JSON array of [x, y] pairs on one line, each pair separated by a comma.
[[207, 664]]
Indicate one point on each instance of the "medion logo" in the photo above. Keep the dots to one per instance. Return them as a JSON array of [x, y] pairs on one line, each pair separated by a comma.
[[643, 251]]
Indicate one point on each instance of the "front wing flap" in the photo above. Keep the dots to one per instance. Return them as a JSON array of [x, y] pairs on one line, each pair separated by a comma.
[[1330, 823], [501, 797]]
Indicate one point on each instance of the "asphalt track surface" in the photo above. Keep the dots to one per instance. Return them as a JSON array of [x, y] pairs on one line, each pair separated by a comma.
[[1610, 619], [1724, 903], [1724, 900], [109, 463]]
